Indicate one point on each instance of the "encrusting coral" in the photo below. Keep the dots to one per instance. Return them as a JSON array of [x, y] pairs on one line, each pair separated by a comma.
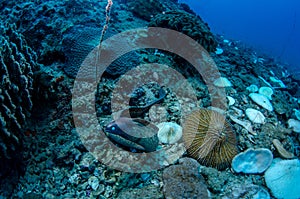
[[209, 138]]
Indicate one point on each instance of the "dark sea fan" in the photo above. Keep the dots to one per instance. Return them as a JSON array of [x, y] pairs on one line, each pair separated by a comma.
[[209, 138]]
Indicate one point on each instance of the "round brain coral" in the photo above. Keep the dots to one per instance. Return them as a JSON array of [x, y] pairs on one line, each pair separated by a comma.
[[209, 138]]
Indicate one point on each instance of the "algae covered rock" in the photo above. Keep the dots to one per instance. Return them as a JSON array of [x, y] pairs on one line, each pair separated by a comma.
[[189, 24], [184, 180], [283, 103]]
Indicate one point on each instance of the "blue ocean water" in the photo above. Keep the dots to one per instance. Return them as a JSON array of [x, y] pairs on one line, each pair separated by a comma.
[[270, 26]]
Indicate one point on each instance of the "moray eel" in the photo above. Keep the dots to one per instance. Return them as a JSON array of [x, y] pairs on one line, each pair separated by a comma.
[[139, 111], [132, 132]]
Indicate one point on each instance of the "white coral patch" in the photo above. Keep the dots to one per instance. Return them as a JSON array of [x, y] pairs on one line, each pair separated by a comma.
[[169, 132]]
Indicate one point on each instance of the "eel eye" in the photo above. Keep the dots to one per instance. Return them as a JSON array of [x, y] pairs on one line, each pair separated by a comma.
[[113, 128]]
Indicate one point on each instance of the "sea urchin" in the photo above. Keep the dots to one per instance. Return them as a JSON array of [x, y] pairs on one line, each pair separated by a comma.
[[209, 138]]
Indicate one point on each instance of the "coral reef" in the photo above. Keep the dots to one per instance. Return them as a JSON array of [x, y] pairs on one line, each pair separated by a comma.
[[123, 64], [18, 62], [45, 22], [188, 24], [58, 164], [209, 138], [77, 42], [146, 9]]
